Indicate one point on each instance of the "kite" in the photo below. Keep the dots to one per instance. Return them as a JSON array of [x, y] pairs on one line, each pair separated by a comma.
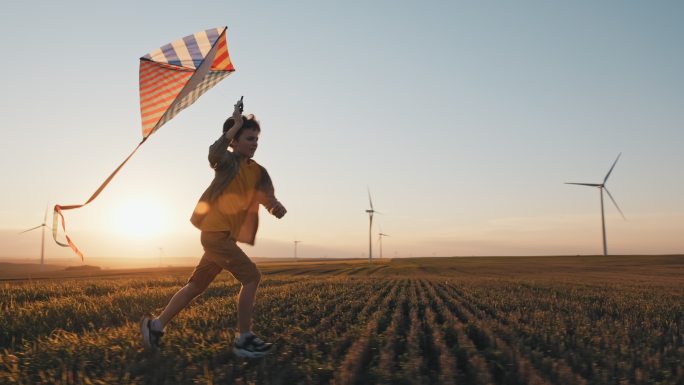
[[172, 77]]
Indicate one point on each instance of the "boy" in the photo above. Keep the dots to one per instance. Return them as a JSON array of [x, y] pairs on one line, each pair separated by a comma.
[[227, 213]]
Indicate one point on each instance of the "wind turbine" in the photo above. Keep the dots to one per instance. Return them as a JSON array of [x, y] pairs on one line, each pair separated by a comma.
[[601, 187], [295, 249], [370, 212], [380, 235], [161, 254], [42, 242]]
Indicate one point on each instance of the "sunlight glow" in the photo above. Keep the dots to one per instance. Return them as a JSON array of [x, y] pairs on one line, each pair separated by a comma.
[[140, 218]]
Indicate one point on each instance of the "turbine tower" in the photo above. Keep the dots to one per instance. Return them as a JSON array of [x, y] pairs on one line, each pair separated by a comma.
[[295, 249], [42, 242], [370, 212], [601, 187], [380, 235], [161, 254]]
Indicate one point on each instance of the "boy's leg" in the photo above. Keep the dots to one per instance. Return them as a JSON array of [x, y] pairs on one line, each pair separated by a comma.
[[201, 277], [246, 300], [223, 251], [246, 343], [152, 329], [178, 302]]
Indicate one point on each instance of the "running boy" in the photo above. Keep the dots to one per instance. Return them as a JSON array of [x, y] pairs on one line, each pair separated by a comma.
[[227, 213]]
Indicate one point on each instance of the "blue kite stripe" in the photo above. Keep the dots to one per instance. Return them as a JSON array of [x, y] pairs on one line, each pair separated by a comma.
[[193, 49], [186, 50], [212, 35], [170, 55]]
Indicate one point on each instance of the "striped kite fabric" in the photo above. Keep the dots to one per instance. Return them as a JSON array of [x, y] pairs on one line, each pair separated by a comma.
[[173, 76]]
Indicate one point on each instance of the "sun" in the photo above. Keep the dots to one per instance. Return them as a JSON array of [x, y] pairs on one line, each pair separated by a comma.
[[140, 218]]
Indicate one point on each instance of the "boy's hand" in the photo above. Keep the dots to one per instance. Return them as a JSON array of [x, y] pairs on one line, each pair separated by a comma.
[[278, 210], [237, 112], [237, 119]]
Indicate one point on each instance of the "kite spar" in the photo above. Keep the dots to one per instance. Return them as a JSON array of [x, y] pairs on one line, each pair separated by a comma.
[[172, 77]]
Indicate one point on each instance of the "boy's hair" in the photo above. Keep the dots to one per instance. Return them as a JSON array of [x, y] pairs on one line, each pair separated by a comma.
[[248, 122]]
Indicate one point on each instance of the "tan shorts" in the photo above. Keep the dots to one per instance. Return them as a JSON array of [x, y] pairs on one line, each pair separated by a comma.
[[221, 252]]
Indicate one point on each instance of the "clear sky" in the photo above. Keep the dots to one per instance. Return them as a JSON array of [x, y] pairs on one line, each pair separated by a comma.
[[463, 118]]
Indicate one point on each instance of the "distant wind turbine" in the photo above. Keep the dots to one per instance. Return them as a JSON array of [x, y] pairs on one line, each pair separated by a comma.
[[380, 235], [370, 212], [295, 248], [601, 187], [42, 242]]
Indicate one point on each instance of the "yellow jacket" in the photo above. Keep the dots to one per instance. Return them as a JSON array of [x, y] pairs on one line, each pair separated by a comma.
[[226, 165]]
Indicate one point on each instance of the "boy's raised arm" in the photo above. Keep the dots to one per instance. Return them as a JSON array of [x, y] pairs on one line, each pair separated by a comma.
[[220, 146]]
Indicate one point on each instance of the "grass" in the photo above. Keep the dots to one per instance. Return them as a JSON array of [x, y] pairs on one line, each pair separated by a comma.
[[504, 320]]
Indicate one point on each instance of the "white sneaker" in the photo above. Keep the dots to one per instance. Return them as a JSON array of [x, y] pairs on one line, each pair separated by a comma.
[[251, 347], [151, 338]]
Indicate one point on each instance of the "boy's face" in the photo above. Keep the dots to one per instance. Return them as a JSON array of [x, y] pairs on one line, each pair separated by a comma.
[[247, 143]]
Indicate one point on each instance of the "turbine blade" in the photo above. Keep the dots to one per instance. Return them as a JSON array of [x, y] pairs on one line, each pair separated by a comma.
[[615, 203], [369, 198], [611, 168], [586, 184], [32, 228], [45, 216]]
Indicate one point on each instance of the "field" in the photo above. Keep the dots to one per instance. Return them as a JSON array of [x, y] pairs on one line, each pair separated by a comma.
[[526, 320]]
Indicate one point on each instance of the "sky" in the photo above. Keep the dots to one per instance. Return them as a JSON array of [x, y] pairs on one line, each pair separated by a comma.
[[464, 119]]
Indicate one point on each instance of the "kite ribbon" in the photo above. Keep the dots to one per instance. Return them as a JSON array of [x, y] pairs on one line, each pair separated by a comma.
[[172, 77], [58, 208]]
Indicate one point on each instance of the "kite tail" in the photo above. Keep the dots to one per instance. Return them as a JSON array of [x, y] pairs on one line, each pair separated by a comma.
[[58, 208], [70, 243]]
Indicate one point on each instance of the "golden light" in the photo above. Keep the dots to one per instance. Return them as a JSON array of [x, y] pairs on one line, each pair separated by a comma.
[[140, 218]]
